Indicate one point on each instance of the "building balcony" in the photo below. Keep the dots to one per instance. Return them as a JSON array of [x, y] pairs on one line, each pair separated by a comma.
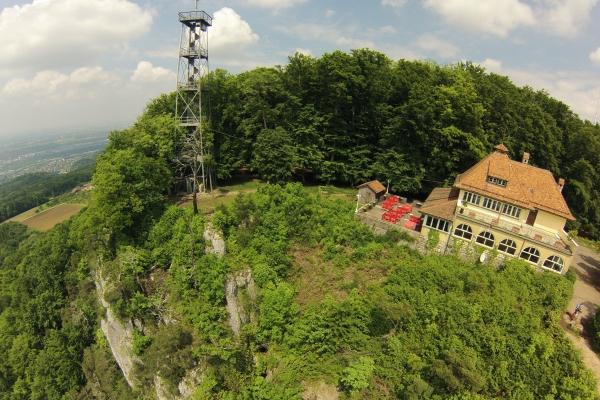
[[527, 232]]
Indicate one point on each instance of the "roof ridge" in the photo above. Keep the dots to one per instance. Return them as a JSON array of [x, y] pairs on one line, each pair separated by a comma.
[[527, 185]]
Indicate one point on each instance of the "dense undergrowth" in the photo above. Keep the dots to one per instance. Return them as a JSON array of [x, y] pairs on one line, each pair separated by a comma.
[[387, 323]]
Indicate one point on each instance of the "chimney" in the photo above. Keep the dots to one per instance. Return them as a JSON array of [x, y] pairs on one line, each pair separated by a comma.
[[526, 156], [561, 184]]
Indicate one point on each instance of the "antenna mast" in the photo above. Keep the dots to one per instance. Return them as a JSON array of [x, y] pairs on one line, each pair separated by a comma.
[[192, 68]]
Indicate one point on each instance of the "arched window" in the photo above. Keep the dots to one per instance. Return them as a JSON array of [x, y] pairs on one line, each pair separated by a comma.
[[555, 263], [531, 254], [508, 246], [486, 238], [464, 231]]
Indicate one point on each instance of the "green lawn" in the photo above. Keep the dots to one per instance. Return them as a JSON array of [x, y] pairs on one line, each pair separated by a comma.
[[226, 194]]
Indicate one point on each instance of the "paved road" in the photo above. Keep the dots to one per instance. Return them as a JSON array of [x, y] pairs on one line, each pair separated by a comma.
[[586, 265]]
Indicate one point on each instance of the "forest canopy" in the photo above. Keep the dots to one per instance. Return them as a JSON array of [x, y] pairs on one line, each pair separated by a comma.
[[349, 117]]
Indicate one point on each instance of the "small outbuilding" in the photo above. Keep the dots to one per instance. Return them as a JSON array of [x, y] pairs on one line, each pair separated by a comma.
[[370, 192]]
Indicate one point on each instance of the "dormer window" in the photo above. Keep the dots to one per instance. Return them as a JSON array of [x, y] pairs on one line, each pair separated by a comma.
[[497, 181]]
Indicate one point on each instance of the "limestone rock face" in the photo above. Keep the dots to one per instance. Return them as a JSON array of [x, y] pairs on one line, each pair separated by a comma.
[[160, 387], [215, 244], [189, 382], [240, 293], [119, 335], [320, 391]]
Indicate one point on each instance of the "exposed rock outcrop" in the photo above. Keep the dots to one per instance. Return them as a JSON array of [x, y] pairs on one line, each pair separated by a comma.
[[185, 389], [240, 293], [118, 334], [215, 244], [160, 387], [320, 391], [190, 381]]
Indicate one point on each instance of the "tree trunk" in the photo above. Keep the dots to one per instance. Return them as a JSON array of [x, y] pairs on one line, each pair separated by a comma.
[[195, 199]]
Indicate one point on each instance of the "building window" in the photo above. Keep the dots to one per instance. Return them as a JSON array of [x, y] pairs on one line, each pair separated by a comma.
[[531, 254], [464, 231], [508, 246], [485, 238], [511, 211], [554, 263], [491, 204], [497, 181], [472, 198], [437, 223]]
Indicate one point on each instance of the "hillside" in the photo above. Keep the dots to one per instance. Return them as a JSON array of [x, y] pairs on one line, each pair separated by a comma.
[[282, 293], [31, 190]]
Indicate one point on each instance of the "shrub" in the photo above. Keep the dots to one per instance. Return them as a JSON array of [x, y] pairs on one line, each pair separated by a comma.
[[593, 327], [140, 342], [356, 377]]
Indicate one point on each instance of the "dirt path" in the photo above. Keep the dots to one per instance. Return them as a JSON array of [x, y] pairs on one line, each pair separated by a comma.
[[586, 265]]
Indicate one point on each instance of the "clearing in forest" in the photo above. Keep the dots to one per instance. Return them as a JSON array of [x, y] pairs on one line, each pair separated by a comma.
[[51, 217]]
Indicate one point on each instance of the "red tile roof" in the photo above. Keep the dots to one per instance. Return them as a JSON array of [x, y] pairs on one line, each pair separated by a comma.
[[527, 186]]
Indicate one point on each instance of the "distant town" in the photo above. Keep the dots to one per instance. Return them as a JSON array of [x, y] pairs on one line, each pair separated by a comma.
[[56, 154]]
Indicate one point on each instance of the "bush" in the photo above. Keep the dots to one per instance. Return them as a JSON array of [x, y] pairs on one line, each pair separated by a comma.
[[140, 343], [593, 328], [170, 353], [356, 377]]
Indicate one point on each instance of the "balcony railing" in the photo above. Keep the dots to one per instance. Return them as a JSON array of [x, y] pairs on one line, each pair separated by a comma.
[[189, 121], [193, 52], [528, 232], [195, 16]]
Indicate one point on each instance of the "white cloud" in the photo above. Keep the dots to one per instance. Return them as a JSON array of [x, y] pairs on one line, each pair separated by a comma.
[[65, 33], [580, 90], [393, 3], [273, 4], [146, 72], [56, 85], [83, 98], [305, 52], [492, 65], [566, 17], [595, 56], [229, 30], [434, 44], [44, 83], [165, 52], [329, 13], [232, 43], [382, 30], [343, 38], [497, 17]]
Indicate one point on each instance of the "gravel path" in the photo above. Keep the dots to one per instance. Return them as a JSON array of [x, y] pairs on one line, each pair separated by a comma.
[[586, 265]]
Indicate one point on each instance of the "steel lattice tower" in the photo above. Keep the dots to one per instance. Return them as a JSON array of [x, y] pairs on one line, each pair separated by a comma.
[[192, 69]]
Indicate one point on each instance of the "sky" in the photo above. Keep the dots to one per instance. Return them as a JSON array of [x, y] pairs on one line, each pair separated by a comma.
[[81, 65]]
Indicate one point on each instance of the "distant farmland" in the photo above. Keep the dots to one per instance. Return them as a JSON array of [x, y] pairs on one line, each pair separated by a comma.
[[47, 219]]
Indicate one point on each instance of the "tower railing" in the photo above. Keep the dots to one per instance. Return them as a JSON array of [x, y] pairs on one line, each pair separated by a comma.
[[195, 16], [193, 52]]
